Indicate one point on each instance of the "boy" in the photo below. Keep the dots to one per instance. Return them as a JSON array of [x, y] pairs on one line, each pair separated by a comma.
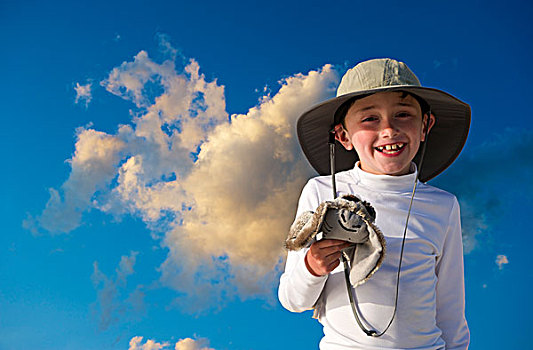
[[415, 300]]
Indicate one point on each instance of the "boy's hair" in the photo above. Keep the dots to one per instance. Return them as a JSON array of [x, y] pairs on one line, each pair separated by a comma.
[[340, 114]]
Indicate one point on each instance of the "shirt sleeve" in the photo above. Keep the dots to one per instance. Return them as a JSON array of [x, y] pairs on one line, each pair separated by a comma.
[[450, 286], [298, 288]]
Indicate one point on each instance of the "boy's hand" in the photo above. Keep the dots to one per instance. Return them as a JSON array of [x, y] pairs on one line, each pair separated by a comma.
[[323, 256]]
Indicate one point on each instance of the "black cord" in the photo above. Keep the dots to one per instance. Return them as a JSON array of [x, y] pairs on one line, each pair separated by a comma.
[[373, 333], [331, 143]]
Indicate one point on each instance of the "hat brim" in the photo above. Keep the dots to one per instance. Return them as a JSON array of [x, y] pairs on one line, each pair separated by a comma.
[[445, 141]]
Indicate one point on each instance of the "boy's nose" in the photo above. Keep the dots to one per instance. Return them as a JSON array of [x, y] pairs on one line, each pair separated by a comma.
[[388, 128]]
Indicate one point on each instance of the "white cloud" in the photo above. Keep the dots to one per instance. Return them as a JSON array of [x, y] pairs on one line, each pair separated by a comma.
[[111, 304], [125, 266], [136, 343], [223, 191], [243, 190], [93, 165], [165, 46], [83, 93], [501, 260], [191, 344]]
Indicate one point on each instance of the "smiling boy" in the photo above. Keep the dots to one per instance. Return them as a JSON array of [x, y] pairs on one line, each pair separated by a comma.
[[380, 117], [386, 129]]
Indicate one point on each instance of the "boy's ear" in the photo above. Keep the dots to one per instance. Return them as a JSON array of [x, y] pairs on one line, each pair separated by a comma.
[[431, 123], [341, 135]]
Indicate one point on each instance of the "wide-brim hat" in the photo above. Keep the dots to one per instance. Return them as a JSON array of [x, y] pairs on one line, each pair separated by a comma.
[[446, 139]]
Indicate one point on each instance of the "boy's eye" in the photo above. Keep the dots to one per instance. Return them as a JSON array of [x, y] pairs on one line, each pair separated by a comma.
[[403, 115], [369, 119]]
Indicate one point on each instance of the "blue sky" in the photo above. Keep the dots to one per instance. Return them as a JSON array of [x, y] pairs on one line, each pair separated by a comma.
[[115, 227]]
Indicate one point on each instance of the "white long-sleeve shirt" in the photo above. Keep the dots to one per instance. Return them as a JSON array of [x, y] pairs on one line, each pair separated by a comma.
[[431, 304]]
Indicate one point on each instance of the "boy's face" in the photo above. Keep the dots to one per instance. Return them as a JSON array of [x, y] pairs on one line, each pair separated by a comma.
[[385, 129]]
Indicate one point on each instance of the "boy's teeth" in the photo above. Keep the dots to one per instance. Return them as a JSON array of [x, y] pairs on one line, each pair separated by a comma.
[[392, 147]]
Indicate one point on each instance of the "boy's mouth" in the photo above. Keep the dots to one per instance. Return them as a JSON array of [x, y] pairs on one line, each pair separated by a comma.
[[391, 149]]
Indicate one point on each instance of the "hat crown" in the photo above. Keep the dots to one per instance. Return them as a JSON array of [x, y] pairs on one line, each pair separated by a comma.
[[375, 74]]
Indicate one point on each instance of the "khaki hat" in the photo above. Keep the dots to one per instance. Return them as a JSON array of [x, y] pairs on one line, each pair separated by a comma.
[[445, 141]]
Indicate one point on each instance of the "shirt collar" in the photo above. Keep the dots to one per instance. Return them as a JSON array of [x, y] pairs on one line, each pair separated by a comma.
[[389, 183]]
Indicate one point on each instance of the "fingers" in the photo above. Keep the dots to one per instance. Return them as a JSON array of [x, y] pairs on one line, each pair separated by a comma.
[[323, 256], [326, 248], [330, 243], [319, 265], [334, 265]]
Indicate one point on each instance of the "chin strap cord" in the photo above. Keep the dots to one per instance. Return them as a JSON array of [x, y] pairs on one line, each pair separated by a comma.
[[344, 257], [331, 143], [373, 333]]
